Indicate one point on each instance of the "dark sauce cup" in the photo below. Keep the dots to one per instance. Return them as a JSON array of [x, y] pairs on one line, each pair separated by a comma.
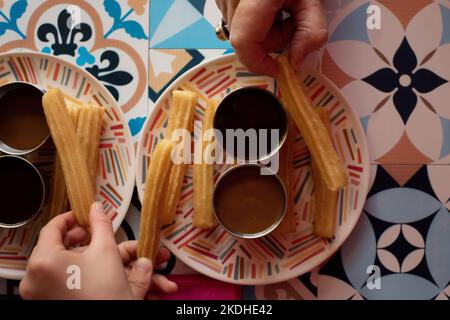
[[22, 191], [246, 119]]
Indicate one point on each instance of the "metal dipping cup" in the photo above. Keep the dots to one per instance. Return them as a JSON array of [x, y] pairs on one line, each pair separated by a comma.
[[23, 90], [251, 108], [22, 191], [235, 172]]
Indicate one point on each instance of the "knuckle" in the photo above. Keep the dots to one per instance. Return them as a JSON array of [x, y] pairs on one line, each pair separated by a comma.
[[24, 290], [139, 284], [321, 37], [237, 41], [39, 266], [316, 38]]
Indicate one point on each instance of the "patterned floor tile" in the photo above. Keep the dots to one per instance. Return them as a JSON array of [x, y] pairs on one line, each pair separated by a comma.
[[403, 231], [397, 80], [184, 24], [107, 38]]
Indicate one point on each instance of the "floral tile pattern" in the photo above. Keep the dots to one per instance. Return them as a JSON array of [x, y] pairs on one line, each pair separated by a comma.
[[108, 38], [397, 79]]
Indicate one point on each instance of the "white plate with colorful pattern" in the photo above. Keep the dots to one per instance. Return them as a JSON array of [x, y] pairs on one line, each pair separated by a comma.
[[116, 171], [277, 257]]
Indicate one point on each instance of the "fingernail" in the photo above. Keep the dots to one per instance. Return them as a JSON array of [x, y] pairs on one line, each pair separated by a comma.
[[99, 207], [143, 265]]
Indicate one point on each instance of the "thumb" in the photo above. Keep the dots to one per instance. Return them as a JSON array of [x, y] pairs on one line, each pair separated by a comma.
[[101, 227], [140, 278]]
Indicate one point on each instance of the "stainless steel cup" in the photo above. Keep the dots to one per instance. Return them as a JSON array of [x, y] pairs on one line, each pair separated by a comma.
[[268, 95], [15, 205], [20, 87], [279, 215]]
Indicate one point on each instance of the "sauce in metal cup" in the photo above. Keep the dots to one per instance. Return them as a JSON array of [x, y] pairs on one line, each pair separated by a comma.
[[23, 127], [247, 203], [248, 113], [22, 191]]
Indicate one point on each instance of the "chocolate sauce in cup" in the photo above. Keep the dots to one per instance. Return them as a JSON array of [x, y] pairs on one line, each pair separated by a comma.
[[23, 127], [22, 191], [247, 119]]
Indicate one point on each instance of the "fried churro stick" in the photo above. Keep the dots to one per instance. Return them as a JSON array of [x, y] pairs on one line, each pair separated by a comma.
[[314, 132], [74, 167], [325, 200], [204, 176], [88, 133], [155, 189], [286, 173], [181, 117], [59, 200]]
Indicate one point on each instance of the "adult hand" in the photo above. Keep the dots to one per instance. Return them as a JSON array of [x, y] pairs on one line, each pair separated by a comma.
[[257, 30], [107, 270]]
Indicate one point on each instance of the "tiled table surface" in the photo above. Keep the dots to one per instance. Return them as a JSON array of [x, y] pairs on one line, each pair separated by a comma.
[[395, 78]]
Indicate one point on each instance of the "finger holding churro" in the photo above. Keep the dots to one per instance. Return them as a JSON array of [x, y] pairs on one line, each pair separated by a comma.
[[156, 186], [59, 201], [181, 117], [204, 177], [325, 200], [88, 133], [74, 166], [308, 121]]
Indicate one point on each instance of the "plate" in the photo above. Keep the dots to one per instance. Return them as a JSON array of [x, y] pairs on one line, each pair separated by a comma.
[[116, 172], [277, 257]]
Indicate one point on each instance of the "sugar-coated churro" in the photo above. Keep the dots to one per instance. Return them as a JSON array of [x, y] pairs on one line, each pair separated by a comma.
[[182, 111], [325, 200], [314, 132], [155, 189], [59, 202], [181, 117], [204, 177], [74, 167], [88, 133], [286, 173]]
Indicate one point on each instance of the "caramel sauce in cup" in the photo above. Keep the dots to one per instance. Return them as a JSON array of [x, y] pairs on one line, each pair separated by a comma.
[[247, 203], [23, 127]]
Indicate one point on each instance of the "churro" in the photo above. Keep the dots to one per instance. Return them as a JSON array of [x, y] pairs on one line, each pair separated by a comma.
[[286, 173], [155, 188], [325, 200], [88, 133], [59, 201], [314, 132], [204, 176], [181, 117], [74, 167]]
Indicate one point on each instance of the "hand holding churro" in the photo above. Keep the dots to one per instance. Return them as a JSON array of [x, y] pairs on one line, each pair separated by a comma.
[[59, 200], [127, 277], [181, 117], [325, 200], [88, 133], [76, 174], [204, 177], [308, 121], [155, 189]]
